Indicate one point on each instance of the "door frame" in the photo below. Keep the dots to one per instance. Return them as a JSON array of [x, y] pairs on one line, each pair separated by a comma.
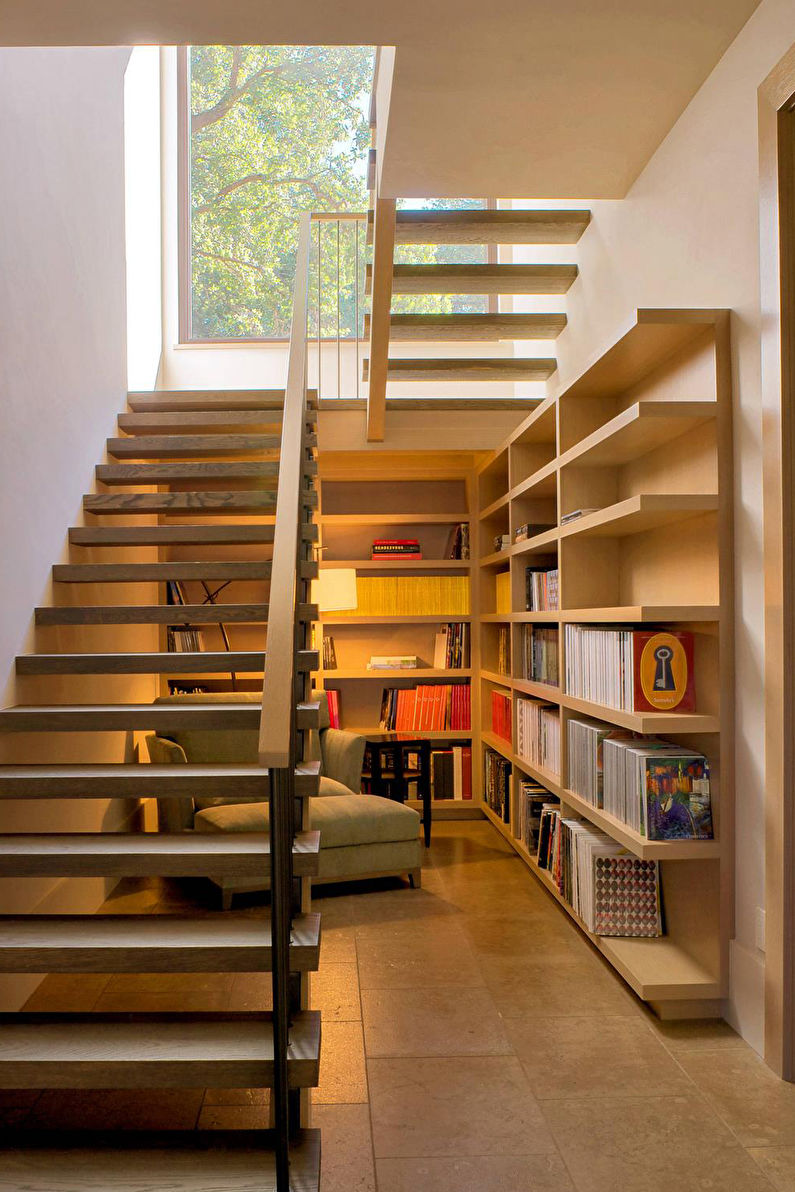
[[777, 296]]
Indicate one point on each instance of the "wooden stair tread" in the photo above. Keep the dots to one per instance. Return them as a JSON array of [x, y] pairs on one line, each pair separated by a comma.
[[177, 421], [146, 1161], [179, 535], [140, 780], [210, 399], [109, 573], [480, 279], [162, 614], [508, 368], [209, 469], [213, 503], [155, 446], [164, 662], [163, 717], [490, 227], [151, 854], [153, 1051], [484, 327], [150, 944]]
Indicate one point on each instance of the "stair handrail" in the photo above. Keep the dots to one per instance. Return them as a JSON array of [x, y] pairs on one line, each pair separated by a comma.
[[282, 690], [278, 699]]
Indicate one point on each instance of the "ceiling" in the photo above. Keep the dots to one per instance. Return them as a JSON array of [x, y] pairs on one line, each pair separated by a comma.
[[533, 98]]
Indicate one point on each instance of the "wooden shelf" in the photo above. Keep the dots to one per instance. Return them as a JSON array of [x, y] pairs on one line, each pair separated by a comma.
[[638, 514], [497, 557], [399, 564], [392, 519], [543, 691], [394, 619], [636, 431], [540, 544], [645, 722], [513, 618], [643, 613], [494, 507], [541, 483], [410, 673], [496, 677], [657, 969], [651, 850]]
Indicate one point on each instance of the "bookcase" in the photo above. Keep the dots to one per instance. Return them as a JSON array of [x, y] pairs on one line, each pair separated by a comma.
[[401, 496], [640, 442]]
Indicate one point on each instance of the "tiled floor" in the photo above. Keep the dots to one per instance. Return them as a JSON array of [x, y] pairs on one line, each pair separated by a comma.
[[473, 1041]]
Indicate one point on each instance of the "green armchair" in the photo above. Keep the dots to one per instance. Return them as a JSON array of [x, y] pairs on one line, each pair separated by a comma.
[[360, 835]]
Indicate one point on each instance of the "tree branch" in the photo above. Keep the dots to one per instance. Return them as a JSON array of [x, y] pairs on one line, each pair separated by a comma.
[[231, 187], [235, 91], [214, 256]]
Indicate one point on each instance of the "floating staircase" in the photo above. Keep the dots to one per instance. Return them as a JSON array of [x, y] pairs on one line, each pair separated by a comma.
[[209, 464]]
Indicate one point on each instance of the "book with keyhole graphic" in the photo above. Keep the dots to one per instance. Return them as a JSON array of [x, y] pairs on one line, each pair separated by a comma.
[[663, 671]]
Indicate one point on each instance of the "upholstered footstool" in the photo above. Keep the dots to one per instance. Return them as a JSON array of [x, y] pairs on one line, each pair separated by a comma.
[[361, 836]]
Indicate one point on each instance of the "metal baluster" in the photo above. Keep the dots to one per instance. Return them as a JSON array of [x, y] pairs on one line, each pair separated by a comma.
[[356, 297], [339, 371]]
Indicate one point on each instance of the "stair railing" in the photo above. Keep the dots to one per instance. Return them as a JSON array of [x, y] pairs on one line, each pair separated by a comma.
[[283, 689], [336, 302]]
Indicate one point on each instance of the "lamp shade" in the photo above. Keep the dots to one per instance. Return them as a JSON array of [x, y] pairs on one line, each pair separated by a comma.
[[334, 591]]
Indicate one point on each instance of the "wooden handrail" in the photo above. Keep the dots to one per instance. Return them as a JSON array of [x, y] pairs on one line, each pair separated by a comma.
[[278, 689]]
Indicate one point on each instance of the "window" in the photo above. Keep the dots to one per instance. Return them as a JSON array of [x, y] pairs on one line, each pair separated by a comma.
[[266, 133]]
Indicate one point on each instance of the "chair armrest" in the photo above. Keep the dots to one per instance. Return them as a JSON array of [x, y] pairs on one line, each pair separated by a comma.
[[173, 815], [343, 754]]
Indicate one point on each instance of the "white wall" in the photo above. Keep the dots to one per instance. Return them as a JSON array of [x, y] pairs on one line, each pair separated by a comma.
[[687, 235], [142, 216], [62, 383]]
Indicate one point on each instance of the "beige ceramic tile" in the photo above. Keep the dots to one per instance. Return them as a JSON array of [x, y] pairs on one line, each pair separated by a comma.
[[757, 1106], [778, 1164], [343, 1079], [335, 992], [594, 1057], [404, 957], [540, 933], [650, 1144], [495, 1173], [236, 1097], [696, 1034], [117, 1109], [573, 987], [445, 1020], [337, 944], [454, 1107], [234, 1117], [347, 1145], [68, 992]]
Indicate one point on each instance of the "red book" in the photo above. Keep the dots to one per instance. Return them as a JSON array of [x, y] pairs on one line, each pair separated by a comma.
[[663, 671], [466, 771]]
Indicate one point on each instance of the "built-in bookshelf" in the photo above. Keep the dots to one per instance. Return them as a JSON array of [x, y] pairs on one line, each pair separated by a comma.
[[640, 446], [363, 501]]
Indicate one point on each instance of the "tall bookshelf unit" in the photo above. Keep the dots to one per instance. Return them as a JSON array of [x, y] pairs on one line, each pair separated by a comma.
[[404, 496], [643, 436]]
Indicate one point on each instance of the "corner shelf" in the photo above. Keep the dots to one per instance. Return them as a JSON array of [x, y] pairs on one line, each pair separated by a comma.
[[409, 673], [398, 564], [642, 436]]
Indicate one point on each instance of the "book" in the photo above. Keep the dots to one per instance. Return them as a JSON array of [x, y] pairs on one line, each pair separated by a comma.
[[659, 789], [575, 514], [409, 595], [496, 784], [458, 542], [392, 662], [530, 530], [402, 548], [329, 653], [538, 734], [502, 591], [540, 654], [501, 715], [442, 774], [502, 542], [428, 707], [635, 670], [541, 589], [504, 649], [532, 798], [451, 646], [333, 702]]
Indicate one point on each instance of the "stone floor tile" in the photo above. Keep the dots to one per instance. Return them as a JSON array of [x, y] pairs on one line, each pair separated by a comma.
[[347, 1147], [757, 1106], [778, 1164], [403, 957], [444, 1107], [574, 986], [335, 992], [493, 1173], [594, 1057], [650, 1144], [443, 1020], [343, 1078]]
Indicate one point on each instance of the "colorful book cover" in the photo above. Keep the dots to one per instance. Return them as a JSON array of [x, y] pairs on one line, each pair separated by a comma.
[[678, 805], [663, 671], [626, 896]]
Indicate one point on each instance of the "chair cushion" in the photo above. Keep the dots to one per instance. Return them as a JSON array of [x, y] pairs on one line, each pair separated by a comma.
[[330, 786], [346, 820]]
